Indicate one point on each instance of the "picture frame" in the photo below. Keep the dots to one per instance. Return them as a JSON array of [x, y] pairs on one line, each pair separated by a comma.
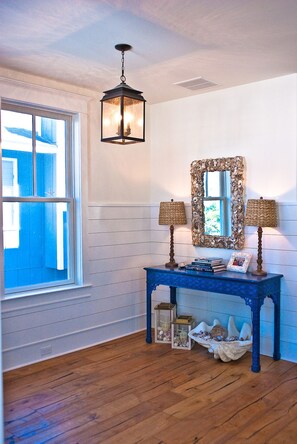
[[239, 262]]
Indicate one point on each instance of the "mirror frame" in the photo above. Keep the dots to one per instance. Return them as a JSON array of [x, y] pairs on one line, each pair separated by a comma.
[[236, 167]]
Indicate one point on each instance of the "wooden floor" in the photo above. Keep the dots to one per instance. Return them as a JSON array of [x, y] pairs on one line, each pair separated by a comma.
[[127, 391]]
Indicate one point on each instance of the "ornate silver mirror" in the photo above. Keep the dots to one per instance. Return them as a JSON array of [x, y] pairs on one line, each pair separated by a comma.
[[218, 202]]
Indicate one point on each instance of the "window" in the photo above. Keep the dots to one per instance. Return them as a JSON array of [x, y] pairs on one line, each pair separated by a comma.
[[38, 198], [217, 193]]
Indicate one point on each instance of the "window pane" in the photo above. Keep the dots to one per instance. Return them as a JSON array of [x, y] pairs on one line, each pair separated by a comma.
[[212, 222], [212, 184], [11, 224], [50, 157], [42, 253], [16, 133]]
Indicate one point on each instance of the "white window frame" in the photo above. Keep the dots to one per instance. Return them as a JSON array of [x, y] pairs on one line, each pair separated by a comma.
[[73, 199]]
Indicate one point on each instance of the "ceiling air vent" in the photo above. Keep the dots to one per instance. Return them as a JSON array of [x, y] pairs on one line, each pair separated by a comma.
[[197, 83]]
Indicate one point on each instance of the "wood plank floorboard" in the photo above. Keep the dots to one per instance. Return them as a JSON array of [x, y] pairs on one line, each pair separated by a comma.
[[130, 392]]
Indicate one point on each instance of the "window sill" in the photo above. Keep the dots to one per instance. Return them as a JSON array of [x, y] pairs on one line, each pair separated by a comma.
[[44, 291]]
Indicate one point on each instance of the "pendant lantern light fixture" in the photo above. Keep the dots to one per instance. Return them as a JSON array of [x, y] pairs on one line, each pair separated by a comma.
[[122, 110]]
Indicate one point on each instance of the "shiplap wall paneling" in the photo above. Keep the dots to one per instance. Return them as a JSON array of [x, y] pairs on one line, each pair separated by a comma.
[[119, 249], [113, 304]]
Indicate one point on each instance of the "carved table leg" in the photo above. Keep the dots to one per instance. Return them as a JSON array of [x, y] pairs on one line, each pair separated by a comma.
[[256, 307], [276, 351], [148, 313]]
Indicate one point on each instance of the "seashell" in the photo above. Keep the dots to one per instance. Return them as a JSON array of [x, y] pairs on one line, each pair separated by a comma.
[[232, 338], [218, 338], [202, 327], [215, 322], [219, 331], [223, 347], [232, 330], [245, 332]]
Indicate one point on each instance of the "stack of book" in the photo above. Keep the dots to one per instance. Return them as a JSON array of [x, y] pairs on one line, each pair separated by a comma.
[[212, 264]]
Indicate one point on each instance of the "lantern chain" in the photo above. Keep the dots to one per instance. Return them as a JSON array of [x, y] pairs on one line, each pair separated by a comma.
[[123, 78]]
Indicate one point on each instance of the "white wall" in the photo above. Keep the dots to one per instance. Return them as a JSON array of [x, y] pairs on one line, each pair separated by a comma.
[[116, 241], [125, 186], [117, 173], [257, 121]]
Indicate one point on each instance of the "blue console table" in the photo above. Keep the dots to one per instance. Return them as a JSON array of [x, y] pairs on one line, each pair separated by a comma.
[[253, 289]]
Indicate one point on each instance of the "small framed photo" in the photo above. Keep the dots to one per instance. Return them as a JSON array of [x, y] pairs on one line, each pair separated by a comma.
[[239, 262]]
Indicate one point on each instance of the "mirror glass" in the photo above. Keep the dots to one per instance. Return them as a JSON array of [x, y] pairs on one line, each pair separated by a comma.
[[218, 202]]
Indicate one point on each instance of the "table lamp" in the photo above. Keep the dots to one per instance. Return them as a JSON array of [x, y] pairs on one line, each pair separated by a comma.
[[172, 213], [260, 213]]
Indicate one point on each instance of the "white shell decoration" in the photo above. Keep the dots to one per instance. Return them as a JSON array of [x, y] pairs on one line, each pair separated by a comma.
[[232, 330], [233, 347], [245, 332], [205, 327]]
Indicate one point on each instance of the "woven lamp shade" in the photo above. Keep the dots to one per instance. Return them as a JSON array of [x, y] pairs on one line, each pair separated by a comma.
[[261, 213], [172, 213]]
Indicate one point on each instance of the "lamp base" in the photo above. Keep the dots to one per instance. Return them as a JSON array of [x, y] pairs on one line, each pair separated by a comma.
[[259, 273], [171, 264]]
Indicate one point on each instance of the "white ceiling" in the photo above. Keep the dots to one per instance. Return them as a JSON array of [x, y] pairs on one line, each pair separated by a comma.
[[229, 42]]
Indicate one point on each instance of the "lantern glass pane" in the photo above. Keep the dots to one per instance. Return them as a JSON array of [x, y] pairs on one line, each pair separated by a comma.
[[165, 313], [133, 118], [111, 120]]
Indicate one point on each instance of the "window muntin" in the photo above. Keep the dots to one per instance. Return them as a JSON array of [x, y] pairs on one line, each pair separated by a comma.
[[38, 142]]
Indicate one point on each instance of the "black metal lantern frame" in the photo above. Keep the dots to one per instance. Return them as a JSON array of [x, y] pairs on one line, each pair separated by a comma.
[[123, 111]]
